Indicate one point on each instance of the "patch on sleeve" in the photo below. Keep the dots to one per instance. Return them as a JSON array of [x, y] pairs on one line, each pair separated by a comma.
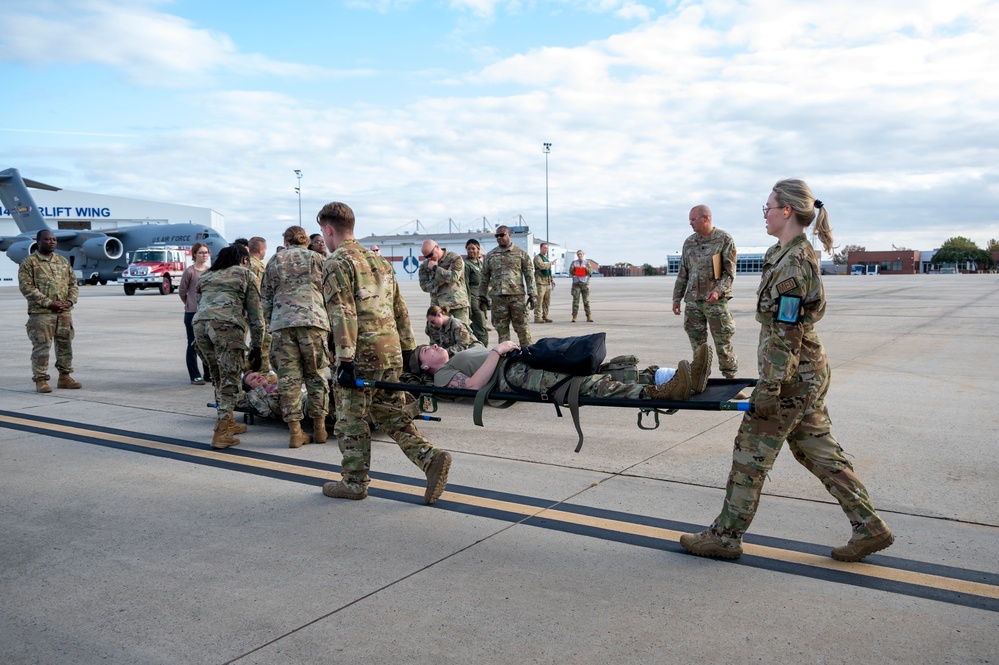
[[787, 285]]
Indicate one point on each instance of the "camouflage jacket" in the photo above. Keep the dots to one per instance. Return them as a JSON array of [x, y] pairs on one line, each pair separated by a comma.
[[505, 271], [473, 277], [368, 317], [453, 336], [231, 296], [446, 282], [696, 279], [292, 291], [257, 268], [542, 270], [45, 279], [789, 273]]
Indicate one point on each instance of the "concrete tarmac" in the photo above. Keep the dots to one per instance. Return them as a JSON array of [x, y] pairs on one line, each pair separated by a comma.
[[125, 539]]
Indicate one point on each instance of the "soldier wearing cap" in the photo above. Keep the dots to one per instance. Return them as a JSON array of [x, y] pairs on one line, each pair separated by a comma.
[[47, 282]]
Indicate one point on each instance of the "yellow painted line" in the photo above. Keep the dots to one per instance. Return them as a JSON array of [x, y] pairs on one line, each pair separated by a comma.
[[208, 453], [787, 556]]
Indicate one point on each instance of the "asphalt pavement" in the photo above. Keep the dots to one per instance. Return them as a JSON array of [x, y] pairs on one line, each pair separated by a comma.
[[125, 539]]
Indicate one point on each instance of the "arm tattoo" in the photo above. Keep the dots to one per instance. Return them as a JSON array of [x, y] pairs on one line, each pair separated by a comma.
[[458, 381]]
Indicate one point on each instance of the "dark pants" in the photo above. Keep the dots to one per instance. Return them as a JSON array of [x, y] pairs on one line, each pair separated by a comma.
[[192, 351]]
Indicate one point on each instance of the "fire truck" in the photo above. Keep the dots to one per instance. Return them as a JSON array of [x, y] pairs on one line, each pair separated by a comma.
[[156, 266]]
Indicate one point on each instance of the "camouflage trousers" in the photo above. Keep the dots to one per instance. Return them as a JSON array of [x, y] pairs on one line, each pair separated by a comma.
[[804, 423], [265, 354], [698, 317], [387, 410], [477, 317], [460, 313], [222, 346], [521, 375], [581, 290], [507, 310], [44, 330], [300, 356], [544, 301]]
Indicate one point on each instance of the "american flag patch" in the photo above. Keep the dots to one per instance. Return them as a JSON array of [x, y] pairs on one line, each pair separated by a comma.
[[787, 285]]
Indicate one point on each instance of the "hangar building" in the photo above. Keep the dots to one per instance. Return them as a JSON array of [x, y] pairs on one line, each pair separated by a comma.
[[66, 209]]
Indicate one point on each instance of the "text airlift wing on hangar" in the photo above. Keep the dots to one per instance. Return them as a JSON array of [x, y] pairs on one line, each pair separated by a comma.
[[96, 256]]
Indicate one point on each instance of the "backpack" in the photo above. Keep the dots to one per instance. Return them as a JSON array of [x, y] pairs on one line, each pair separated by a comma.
[[576, 356], [621, 368]]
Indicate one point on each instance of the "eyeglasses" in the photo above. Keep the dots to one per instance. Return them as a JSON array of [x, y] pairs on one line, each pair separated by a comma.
[[767, 209], [500, 235], [427, 256]]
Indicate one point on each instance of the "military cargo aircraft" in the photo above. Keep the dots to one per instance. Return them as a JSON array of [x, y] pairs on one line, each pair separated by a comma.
[[96, 256]]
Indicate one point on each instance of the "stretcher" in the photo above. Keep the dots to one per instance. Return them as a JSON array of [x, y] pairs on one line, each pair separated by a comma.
[[716, 397]]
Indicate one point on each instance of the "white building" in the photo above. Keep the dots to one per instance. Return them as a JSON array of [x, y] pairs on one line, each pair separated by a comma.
[[405, 251], [66, 209]]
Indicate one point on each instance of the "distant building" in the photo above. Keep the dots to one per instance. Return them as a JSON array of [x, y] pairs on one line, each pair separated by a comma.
[[894, 262], [405, 251], [66, 209]]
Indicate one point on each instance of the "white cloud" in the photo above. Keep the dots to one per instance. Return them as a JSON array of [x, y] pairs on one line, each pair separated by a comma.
[[149, 47], [890, 118]]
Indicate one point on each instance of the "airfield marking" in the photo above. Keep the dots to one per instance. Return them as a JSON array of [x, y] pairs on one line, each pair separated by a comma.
[[307, 471]]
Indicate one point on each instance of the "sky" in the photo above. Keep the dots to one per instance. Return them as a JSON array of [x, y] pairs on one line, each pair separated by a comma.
[[438, 112]]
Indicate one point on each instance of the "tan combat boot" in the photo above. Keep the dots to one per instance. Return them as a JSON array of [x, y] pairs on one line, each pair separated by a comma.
[[297, 437], [573, 318], [589, 319], [66, 381], [700, 368], [42, 386], [223, 438], [234, 427], [437, 476], [319, 429], [708, 544], [341, 490], [860, 546], [677, 388]]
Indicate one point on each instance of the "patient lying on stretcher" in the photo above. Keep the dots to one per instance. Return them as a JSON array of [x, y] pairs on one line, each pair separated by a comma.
[[472, 369]]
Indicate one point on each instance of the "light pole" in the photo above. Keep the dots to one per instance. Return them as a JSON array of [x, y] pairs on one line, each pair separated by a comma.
[[298, 190], [548, 149]]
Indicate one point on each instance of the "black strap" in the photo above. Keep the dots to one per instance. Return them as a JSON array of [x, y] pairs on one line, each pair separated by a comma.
[[568, 393]]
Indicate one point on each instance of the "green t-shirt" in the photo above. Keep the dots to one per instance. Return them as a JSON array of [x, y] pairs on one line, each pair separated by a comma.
[[467, 362]]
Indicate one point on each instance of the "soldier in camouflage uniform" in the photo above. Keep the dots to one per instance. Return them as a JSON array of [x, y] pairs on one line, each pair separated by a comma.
[[705, 295], [49, 285], [543, 280], [295, 312], [228, 304], [580, 271], [472, 369], [789, 400], [506, 270], [442, 275], [258, 248], [448, 332], [473, 276], [371, 333]]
